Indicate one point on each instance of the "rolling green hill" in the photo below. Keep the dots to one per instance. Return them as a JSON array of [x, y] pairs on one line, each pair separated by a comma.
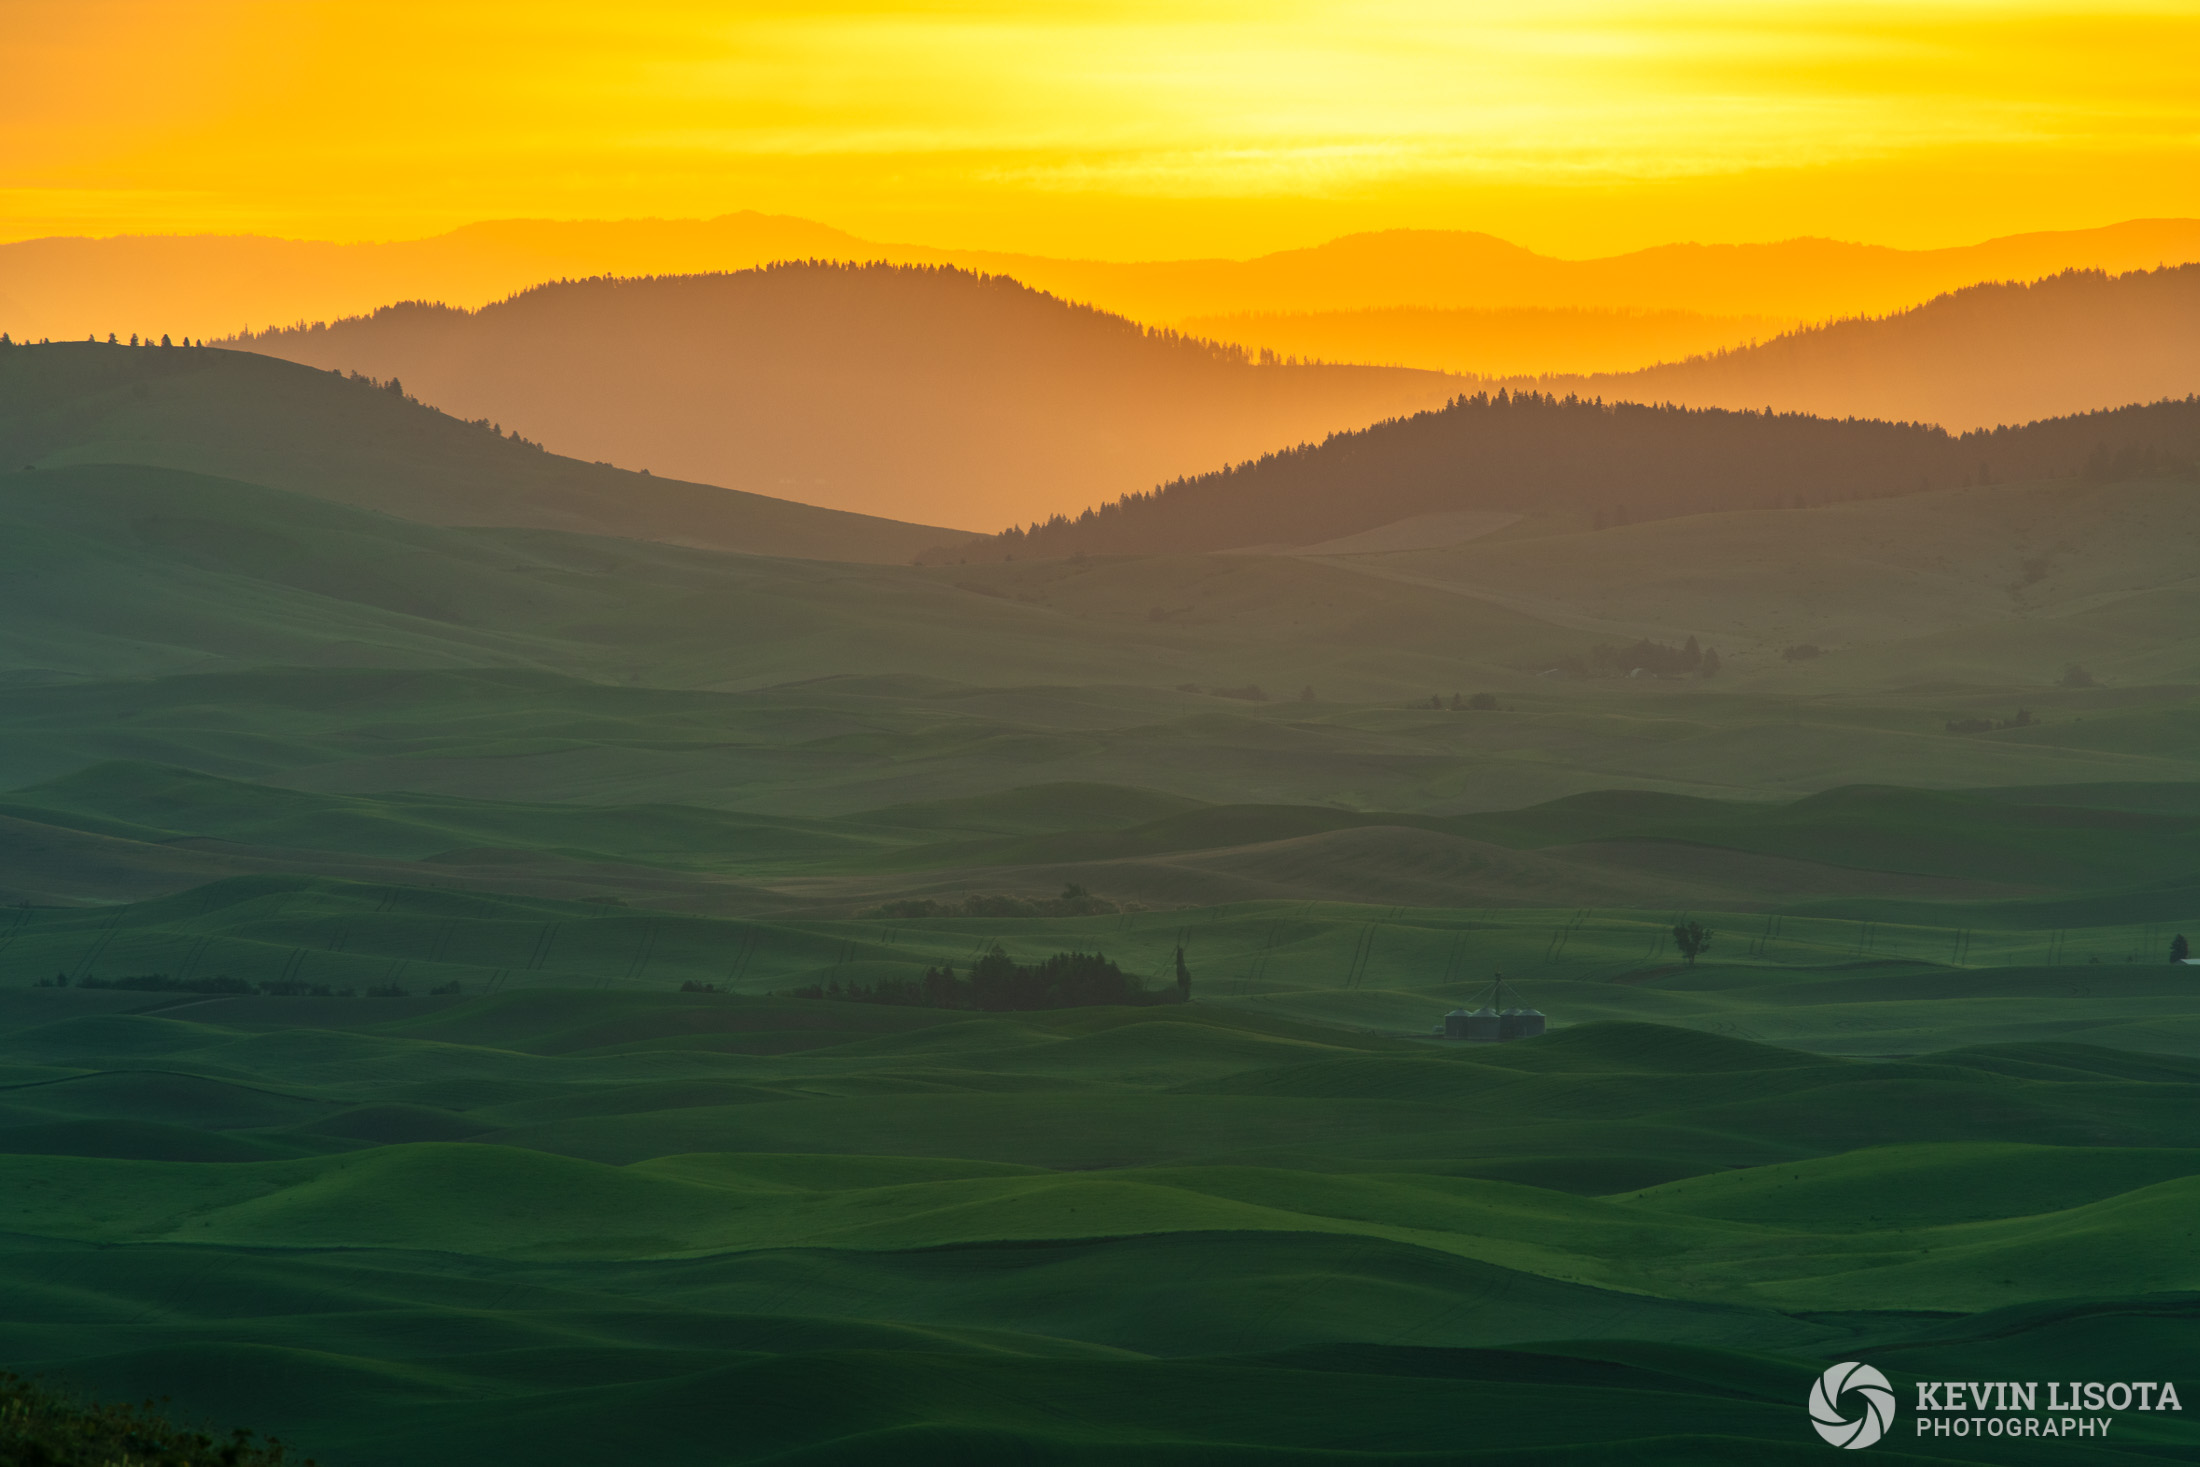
[[2000, 858], [398, 923], [236, 415], [569, 1210], [165, 617], [1224, 1236]]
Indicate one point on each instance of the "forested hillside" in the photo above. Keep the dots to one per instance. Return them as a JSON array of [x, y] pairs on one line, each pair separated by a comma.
[[1500, 341], [1974, 358], [1605, 463], [916, 392]]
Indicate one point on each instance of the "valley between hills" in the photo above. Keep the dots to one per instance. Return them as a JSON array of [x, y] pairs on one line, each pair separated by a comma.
[[451, 886]]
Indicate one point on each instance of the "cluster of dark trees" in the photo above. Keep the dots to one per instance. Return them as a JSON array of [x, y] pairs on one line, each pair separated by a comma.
[[93, 339], [1479, 703], [2107, 465], [7, 340], [1607, 462], [1656, 658], [1074, 901], [222, 985], [998, 983], [395, 387]]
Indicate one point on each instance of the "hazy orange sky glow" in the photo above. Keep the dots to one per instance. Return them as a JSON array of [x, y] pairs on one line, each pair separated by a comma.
[[1103, 127]]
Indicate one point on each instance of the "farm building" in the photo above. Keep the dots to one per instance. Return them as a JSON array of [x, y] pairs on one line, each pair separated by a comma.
[[1482, 1025], [1490, 1024]]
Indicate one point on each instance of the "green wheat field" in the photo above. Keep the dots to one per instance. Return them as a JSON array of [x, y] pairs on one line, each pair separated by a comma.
[[460, 1112]]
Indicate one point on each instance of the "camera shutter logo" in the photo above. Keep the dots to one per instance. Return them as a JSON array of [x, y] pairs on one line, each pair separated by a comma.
[[1868, 1392]]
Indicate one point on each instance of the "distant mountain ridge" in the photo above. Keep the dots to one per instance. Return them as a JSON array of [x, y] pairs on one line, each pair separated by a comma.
[[1806, 279], [917, 392], [1596, 463], [219, 285], [1984, 355]]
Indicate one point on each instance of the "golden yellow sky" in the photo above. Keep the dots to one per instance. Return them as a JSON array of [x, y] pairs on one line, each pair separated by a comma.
[[1102, 128]]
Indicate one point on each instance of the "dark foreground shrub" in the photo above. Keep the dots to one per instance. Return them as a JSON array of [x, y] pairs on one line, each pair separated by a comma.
[[44, 1427]]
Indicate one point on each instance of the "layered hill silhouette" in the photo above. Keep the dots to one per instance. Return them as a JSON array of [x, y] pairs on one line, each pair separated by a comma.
[[1796, 278], [1596, 463], [240, 416], [937, 394], [1974, 358], [218, 285], [1491, 341], [214, 285], [918, 392]]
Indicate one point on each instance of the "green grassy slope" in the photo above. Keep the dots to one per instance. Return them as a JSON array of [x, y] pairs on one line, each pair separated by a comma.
[[543, 665], [129, 571], [1917, 832], [235, 415], [1208, 1271], [1857, 951], [2004, 583], [165, 803], [1929, 860], [1928, 1100], [853, 745]]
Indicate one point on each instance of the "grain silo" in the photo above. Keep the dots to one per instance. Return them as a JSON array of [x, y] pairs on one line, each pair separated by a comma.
[[1492, 1023], [1482, 1026], [1520, 1023]]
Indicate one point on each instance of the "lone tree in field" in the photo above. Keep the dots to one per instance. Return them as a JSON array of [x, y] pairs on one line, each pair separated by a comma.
[[1691, 938], [2179, 949], [1183, 977]]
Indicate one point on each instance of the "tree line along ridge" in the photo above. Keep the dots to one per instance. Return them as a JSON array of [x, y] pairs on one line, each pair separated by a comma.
[[1608, 463]]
